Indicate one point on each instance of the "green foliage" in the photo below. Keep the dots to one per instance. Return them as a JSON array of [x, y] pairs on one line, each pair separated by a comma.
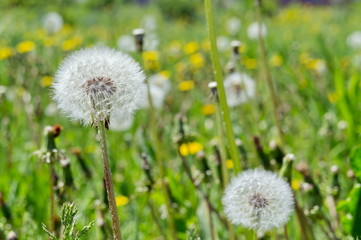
[[68, 221], [181, 9]]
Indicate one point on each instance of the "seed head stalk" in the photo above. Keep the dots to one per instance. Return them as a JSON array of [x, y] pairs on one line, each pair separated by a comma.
[[220, 87], [109, 182]]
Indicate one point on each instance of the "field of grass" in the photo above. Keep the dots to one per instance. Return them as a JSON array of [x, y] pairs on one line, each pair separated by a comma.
[[315, 70]]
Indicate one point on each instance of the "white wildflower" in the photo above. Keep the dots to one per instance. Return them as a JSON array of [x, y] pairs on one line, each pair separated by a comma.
[[258, 199], [52, 22], [223, 43], [233, 25], [254, 29], [239, 88], [159, 86], [354, 40], [126, 43], [99, 84]]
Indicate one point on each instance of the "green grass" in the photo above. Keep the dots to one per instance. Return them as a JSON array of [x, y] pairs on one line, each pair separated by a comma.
[[312, 106]]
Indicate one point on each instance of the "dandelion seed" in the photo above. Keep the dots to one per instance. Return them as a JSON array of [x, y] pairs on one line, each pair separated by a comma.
[[52, 22], [258, 199], [239, 88], [233, 25], [99, 84], [354, 40], [159, 86], [126, 43], [255, 28]]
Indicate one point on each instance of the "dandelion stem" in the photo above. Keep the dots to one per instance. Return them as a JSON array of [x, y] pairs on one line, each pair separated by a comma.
[[109, 182], [268, 76], [52, 199], [220, 87]]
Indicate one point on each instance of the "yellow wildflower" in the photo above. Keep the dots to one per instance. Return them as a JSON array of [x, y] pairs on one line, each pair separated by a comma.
[[46, 81], [25, 46], [250, 63], [276, 60], [229, 164], [190, 148], [332, 97], [197, 60], [121, 200], [72, 43], [151, 60], [295, 184], [5, 52], [208, 109], [165, 74], [186, 85], [191, 47]]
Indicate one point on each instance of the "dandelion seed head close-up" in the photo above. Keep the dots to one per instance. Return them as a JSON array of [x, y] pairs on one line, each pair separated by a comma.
[[98, 84], [259, 200], [52, 22], [239, 88]]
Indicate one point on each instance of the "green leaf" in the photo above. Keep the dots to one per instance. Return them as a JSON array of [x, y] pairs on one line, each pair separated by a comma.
[[355, 158]]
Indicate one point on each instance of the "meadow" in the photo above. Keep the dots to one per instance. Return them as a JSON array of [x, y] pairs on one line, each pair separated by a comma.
[[172, 162]]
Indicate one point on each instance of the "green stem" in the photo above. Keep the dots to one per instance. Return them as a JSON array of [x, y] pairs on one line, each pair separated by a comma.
[[220, 87], [109, 182], [52, 199], [268, 77]]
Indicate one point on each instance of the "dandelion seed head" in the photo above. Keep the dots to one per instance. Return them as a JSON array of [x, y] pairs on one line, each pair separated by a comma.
[[52, 22], [258, 199], [354, 40], [254, 29], [239, 88], [98, 84]]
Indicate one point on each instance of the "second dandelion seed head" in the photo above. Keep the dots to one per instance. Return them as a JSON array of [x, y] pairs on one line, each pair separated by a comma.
[[258, 199]]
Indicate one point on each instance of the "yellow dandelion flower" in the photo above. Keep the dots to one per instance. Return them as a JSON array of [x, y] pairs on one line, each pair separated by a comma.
[[121, 200], [191, 47], [295, 184], [165, 74], [5, 52], [72, 43], [242, 48], [208, 109], [46, 81], [197, 60], [229, 164], [190, 148], [276, 60], [186, 85], [25, 46], [150, 56], [250, 63], [332, 97]]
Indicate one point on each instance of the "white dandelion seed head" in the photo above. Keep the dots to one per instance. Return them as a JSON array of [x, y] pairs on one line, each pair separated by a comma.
[[52, 22], [233, 25], [99, 84], [255, 28], [121, 124], [354, 40], [239, 88], [259, 200], [223, 43], [159, 87], [149, 23], [151, 42], [126, 43]]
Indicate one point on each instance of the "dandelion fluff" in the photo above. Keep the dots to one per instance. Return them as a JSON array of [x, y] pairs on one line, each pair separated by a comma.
[[259, 200], [354, 40], [52, 22], [254, 29], [99, 84], [239, 88], [126, 43], [159, 86]]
